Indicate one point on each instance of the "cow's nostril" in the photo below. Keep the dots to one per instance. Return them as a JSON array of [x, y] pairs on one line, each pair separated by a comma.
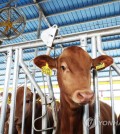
[[79, 96], [82, 97]]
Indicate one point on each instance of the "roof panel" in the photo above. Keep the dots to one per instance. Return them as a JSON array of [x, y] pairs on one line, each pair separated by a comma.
[[72, 16]]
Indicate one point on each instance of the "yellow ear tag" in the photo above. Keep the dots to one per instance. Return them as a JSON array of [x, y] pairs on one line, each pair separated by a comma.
[[100, 66], [8, 101], [46, 70]]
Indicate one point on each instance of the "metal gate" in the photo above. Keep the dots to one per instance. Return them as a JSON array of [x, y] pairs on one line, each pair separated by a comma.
[[95, 37]]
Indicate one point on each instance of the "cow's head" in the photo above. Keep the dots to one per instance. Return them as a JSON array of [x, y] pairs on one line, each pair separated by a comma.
[[19, 104], [73, 72], [8, 102]]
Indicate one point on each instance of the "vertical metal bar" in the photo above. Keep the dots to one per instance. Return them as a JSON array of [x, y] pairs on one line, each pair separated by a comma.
[[33, 73], [52, 96], [43, 98], [44, 119], [39, 25], [24, 105], [95, 88], [112, 102], [5, 95], [34, 96], [33, 109], [83, 45], [48, 51], [54, 111], [15, 79], [32, 80]]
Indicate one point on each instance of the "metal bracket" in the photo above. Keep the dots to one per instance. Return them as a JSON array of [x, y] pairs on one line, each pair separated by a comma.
[[46, 99], [83, 40], [48, 35], [49, 99]]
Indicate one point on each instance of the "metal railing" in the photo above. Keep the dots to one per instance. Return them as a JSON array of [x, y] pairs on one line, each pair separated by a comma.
[[18, 48]]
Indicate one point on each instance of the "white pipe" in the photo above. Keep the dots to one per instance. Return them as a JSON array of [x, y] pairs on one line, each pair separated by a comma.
[[95, 88], [5, 94], [13, 103], [83, 40], [24, 105], [112, 102], [67, 38], [54, 111]]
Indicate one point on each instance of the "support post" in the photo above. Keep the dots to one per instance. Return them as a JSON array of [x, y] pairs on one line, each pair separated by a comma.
[[13, 103], [95, 88], [83, 40], [5, 94], [54, 112], [112, 102], [24, 105]]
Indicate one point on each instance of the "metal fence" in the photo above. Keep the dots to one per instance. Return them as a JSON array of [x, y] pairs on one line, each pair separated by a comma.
[[18, 62]]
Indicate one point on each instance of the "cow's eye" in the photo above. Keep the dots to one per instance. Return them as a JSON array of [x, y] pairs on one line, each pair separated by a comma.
[[27, 101], [63, 68]]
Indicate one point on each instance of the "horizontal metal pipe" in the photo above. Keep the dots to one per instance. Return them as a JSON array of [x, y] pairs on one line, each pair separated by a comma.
[[71, 25], [67, 38]]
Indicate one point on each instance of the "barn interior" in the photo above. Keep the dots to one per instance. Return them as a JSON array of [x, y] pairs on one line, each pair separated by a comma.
[[22, 23]]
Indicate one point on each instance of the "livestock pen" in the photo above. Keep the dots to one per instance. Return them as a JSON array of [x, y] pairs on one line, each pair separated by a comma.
[[17, 68]]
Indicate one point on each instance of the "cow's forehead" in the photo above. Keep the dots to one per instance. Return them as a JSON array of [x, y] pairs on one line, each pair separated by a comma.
[[74, 52], [20, 91]]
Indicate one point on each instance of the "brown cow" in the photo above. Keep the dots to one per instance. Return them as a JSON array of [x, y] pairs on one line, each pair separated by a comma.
[[6, 126], [28, 112], [118, 127], [8, 106], [74, 79]]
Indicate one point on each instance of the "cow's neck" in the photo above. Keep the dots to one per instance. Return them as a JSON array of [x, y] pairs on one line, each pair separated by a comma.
[[70, 117]]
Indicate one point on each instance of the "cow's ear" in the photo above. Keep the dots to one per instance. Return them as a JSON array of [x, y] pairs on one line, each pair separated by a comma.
[[102, 62], [9, 98], [9, 95], [41, 61]]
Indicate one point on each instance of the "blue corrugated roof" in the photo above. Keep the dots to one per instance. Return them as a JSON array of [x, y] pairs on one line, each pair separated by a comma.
[[71, 17]]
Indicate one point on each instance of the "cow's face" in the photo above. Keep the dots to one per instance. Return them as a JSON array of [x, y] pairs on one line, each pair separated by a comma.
[[73, 72], [19, 104]]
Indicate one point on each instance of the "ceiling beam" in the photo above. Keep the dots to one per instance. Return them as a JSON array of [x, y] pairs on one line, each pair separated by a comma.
[[75, 24], [83, 8], [26, 5], [40, 10], [73, 10]]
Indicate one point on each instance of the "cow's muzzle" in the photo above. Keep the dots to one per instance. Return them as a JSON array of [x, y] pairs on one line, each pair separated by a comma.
[[83, 97]]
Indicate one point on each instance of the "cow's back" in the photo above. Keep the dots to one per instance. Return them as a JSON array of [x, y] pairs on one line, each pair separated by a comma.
[[118, 127]]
